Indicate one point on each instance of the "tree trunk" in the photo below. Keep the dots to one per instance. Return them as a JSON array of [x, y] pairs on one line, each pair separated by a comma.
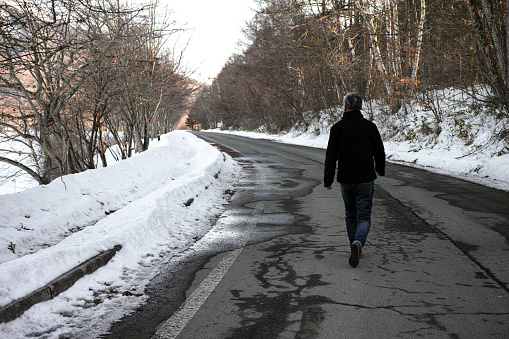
[[368, 16], [418, 46]]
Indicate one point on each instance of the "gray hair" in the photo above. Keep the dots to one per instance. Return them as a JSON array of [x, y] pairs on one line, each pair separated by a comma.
[[353, 101]]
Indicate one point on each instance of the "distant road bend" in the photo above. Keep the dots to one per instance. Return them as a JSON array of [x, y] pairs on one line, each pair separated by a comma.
[[275, 265]]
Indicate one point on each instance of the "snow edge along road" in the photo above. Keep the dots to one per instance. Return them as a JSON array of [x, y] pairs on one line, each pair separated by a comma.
[[57, 286], [158, 231]]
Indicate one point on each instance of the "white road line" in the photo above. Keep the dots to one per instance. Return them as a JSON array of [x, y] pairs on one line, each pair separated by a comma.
[[172, 327]]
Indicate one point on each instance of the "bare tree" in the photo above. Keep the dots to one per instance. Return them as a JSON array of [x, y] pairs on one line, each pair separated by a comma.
[[388, 61], [71, 69], [148, 75], [48, 50]]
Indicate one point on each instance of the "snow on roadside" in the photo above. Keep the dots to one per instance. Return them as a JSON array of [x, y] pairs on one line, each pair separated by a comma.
[[464, 148], [44, 215], [482, 168], [148, 193]]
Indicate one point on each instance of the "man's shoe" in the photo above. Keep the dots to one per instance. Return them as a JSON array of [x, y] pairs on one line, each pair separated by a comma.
[[355, 254]]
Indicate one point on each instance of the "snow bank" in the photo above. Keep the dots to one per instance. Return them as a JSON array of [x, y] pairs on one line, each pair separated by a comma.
[[464, 147], [139, 203]]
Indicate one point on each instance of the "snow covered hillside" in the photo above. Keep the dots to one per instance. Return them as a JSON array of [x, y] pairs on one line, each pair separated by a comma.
[[463, 144]]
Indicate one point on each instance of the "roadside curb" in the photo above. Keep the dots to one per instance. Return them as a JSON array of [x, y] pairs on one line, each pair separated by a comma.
[[52, 289]]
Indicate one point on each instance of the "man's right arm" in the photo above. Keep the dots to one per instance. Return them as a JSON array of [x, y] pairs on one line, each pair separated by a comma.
[[331, 158]]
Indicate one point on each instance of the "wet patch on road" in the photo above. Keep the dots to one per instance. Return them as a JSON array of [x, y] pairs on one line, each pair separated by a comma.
[[267, 200], [398, 217], [264, 198], [285, 183], [283, 311], [488, 206]]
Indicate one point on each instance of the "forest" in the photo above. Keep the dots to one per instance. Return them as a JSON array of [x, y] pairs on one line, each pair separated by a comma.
[[80, 78], [77, 77], [302, 56]]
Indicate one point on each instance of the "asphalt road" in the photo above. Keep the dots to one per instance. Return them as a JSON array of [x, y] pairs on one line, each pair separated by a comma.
[[275, 265]]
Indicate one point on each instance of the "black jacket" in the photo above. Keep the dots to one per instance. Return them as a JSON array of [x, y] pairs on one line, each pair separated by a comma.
[[355, 144]]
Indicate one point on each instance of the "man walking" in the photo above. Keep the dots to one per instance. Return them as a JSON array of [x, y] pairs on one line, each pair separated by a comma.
[[356, 146]]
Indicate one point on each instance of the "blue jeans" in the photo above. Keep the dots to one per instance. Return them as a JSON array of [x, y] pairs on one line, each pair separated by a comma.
[[358, 200]]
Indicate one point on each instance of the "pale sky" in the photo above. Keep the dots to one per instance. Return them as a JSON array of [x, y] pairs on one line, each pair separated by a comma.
[[215, 27]]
